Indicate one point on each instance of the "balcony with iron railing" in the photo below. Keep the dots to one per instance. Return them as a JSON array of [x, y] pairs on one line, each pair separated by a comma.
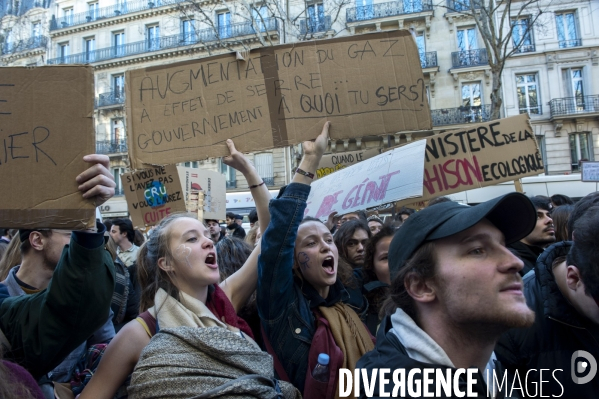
[[570, 43], [310, 26], [525, 48], [113, 97], [269, 181], [428, 59], [111, 147], [462, 5], [97, 14], [388, 9], [574, 105], [460, 115], [532, 110], [469, 58], [22, 45], [166, 42]]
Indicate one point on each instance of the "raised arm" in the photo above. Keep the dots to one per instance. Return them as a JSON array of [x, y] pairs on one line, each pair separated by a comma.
[[240, 285], [275, 266]]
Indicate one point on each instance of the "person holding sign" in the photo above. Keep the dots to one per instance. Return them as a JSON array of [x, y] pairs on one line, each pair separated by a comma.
[[299, 285], [179, 278], [70, 280]]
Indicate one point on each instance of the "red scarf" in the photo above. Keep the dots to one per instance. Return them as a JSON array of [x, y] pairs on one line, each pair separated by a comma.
[[221, 306]]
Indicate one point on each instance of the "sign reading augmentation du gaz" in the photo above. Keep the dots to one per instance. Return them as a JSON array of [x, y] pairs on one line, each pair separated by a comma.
[[153, 194], [480, 155], [392, 176], [277, 96], [46, 128]]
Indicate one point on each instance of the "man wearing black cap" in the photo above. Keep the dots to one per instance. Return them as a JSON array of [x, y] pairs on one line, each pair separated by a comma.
[[530, 247], [61, 293], [234, 229], [456, 289]]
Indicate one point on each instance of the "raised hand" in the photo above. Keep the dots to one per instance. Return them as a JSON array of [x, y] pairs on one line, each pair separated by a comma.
[[237, 160], [96, 182], [319, 146]]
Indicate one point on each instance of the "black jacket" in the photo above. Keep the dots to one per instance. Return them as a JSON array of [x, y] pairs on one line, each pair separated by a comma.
[[237, 230], [389, 353], [527, 253], [558, 332]]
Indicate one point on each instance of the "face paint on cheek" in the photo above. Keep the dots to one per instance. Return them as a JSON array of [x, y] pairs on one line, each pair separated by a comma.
[[303, 259], [182, 254]]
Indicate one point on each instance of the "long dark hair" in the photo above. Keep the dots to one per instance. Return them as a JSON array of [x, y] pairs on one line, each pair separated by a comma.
[[377, 296], [231, 252]]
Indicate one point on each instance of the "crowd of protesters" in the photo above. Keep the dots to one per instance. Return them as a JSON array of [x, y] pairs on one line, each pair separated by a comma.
[[194, 310]]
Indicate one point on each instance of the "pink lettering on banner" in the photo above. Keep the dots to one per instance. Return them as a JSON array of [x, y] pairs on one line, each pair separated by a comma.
[[327, 205], [156, 215], [462, 171], [372, 192]]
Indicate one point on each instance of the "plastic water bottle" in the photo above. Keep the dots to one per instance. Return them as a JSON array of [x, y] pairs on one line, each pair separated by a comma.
[[321, 371]]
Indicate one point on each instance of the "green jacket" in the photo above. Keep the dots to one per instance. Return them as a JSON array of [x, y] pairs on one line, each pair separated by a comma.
[[43, 328]]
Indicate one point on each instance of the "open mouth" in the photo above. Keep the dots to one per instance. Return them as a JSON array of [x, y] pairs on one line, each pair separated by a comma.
[[329, 265], [211, 260]]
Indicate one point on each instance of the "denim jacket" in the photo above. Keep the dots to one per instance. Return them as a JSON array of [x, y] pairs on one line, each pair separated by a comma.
[[283, 307]]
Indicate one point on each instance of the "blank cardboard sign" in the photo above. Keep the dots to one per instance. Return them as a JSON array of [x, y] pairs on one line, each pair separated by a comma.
[[277, 96], [46, 128]]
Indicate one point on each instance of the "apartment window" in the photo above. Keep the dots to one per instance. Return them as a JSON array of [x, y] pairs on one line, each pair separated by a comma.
[[461, 5], [153, 37], [364, 9], [90, 47], [116, 173], [229, 173], [528, 94], [67, 14], [93, 10], [421, 44], [471, 102], [64, 51], [316, 19], [581, 149], [522, 35], [117, 134], [8, 41], [264, 167], [188, 32], [36, 29], [260, 16], [573, 80], [467, 39], [543, 150], [118, 85], [194, 164], [567, 30], [118, 43], [224, 24]]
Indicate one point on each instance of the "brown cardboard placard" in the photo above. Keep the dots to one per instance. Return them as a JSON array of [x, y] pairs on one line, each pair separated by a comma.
[[330, 163], [276, 96], [153, 194], [212, 184], [480, 155], [46, 127]]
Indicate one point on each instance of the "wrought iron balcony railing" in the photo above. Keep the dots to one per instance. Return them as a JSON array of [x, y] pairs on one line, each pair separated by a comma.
[[310, 26], [269, 181], [22, 45], [526, 48], [429, 59], [166, 42], [124, 7], [538, 110], [456, 116], [574, 105], [388, 9], [462, 5], [112, 97], [570, 43], [111, 147], [469, 58]]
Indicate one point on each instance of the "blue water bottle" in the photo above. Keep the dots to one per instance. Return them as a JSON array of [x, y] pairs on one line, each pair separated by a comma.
[[321, 371]]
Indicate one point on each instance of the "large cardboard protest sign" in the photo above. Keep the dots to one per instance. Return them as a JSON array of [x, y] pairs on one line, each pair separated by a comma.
[[480, 155], [153, 194], [277, 96], [331, 163], [212, 184], [388, 177], [46, 128]]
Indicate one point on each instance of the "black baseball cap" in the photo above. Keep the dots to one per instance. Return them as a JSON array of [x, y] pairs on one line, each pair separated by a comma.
[[513, 214]]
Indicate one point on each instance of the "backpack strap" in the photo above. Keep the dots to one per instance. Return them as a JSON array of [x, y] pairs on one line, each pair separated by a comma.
[[277, 364]]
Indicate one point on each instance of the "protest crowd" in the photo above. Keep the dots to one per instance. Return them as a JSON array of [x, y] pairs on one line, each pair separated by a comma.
[[508, 287]]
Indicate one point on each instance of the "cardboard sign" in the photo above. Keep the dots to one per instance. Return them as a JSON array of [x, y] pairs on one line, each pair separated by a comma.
[[391, 176], [153, 194], [277, 96], [480, 155], [331, 163], [589, 171], [212, 184], [46, 128]]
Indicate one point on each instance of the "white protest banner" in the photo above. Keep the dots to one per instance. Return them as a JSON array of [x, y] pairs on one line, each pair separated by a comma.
[[212, 184], [392, 176]]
